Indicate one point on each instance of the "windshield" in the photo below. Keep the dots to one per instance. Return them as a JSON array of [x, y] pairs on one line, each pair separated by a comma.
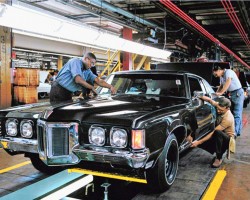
[[147, 84]]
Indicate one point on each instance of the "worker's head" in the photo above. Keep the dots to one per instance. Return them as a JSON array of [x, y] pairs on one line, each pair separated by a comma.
[[218, 71], [224, 105], [89, 59]]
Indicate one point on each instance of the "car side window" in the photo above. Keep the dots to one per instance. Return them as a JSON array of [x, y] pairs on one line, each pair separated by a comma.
[[208, 88], [194, 85]]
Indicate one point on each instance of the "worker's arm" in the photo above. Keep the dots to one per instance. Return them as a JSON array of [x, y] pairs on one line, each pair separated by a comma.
[[207, 137], [199, 142], [103, 83], [223, 89], [82, 82], [209, 100]]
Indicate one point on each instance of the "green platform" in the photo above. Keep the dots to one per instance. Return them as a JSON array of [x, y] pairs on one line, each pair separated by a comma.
[[51, 187]]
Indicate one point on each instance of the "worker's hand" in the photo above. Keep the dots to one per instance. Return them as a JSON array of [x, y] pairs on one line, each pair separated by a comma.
[[94, 91], [195, 143], [189, 139], [219, 93], [113, 90]]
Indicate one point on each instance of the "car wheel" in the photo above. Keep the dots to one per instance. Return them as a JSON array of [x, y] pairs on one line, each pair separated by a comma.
[[41, 166], [162, 176], [41, 95]]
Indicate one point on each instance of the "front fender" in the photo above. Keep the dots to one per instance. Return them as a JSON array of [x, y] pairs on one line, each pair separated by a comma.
[[172, 127]]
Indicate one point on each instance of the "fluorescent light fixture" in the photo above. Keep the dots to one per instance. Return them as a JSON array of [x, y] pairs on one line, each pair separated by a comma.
[[30, 21]]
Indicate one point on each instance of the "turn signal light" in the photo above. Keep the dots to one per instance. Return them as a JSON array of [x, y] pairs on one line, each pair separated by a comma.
[[138, 139]]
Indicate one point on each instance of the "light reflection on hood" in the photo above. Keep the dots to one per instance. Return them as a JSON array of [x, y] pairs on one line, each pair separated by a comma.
[[119, 113], [95, 104]]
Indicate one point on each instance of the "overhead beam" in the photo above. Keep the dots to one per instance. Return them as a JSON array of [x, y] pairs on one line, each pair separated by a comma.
[[173, 8], [244, 14]]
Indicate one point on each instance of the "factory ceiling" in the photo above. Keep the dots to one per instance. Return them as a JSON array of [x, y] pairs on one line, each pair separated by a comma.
[[220, 29]]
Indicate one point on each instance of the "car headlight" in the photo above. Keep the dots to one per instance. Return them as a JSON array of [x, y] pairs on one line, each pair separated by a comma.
[[11, 127], [26, 129], [118, 137], [97, 136]]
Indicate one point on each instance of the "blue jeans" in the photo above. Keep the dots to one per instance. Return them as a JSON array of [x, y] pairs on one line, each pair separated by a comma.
[[237, 99]]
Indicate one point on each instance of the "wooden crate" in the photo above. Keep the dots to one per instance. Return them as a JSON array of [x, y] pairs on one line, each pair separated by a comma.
[[16, 93], [27, 77], [26, 94]]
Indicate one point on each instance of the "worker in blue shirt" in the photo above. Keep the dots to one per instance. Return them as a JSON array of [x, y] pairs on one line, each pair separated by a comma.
[[229, 82], [74, 76]]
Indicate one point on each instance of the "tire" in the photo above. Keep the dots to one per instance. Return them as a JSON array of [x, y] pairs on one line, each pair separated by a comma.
[[163, 175], [42, 167], [42, 95]]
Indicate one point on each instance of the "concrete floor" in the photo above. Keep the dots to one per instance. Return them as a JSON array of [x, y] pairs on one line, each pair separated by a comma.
[[192, 182], [236, 184]]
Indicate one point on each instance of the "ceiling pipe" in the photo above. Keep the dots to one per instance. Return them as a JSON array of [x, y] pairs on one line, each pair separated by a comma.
[[244, 13], [239, 22], [189, 20], [230, 11], [201, 29], [234, 18], [110, 7]]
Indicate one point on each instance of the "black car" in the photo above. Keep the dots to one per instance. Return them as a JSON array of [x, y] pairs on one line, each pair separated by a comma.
[[138, 132]]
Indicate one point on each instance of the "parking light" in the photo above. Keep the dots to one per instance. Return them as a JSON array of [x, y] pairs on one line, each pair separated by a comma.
[[138, 139]]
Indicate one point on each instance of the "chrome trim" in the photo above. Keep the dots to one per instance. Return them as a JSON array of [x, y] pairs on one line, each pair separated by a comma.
[[45, 139], [77, 153], [134, 160], [20, 144]]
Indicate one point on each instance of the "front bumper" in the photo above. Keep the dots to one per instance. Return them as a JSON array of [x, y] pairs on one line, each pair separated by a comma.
[[19, 145], [122, 158], [58, 145]]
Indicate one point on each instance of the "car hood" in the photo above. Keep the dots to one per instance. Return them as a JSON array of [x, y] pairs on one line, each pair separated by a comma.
[[25, 111], [119, 109]]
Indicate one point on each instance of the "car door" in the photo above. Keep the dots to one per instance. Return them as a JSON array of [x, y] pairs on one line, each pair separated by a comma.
[[203, 110]]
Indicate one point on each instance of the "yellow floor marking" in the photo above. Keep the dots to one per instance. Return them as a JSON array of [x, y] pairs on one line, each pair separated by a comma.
[[211, 192], [14, 167], [4, 144], [108, 175]]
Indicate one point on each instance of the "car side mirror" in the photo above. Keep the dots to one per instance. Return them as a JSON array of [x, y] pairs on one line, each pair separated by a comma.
[[198, 94], [196, 101]]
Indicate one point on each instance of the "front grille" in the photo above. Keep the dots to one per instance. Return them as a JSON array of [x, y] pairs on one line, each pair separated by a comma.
[[40, 132], [60, 141]]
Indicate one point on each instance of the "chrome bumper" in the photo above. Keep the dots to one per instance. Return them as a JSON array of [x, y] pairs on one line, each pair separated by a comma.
[[122, 158], [133, 160], [19, 144]]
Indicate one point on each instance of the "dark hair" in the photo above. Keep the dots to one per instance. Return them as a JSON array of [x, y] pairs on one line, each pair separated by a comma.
[[224, 102], [221, 66], [90, 55], [216, 67]]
